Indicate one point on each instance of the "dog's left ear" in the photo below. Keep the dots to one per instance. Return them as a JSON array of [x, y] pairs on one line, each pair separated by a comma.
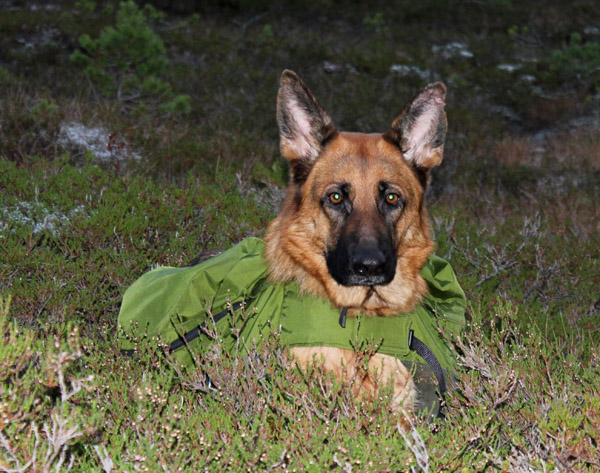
[[304, 126], [420, 129]]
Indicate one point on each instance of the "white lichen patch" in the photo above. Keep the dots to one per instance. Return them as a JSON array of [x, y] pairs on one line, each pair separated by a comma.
[[36, 217], [43, 38], [509, 67], [408, 70], [105, 146], [453, 50]]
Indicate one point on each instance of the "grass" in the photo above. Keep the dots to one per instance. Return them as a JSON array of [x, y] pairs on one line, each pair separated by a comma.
[[515, 208]]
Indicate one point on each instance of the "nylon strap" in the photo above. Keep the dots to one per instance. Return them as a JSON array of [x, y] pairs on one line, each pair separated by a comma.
[[192, 334], [195, 333], [342, 319], [424, 352]]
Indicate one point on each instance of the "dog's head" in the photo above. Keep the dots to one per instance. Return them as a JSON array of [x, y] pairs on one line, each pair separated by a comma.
[[353, 227]]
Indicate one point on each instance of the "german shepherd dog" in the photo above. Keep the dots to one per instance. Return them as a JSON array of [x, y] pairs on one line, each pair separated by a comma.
[[353, 227]]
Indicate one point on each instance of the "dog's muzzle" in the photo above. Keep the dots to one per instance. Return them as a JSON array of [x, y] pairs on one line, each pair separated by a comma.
[[362, 263]]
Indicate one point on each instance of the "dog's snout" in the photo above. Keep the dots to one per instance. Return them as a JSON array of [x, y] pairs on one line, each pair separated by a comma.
[[368, 262], [361, 262]]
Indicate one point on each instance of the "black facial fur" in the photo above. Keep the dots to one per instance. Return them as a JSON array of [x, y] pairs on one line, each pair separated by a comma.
[[362, 262], [362, 256]]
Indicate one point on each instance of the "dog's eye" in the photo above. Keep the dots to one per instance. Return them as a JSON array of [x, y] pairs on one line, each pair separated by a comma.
[[392, 198], [335, 198]]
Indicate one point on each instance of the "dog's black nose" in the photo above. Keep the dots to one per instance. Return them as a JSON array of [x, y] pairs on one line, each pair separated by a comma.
[[355, 262], [368, 262]]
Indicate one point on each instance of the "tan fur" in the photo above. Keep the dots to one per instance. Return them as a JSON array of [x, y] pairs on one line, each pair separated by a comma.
[[345, 366], [297, 240]]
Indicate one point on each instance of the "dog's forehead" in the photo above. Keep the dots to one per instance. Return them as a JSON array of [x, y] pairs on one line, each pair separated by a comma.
[[361, 157]]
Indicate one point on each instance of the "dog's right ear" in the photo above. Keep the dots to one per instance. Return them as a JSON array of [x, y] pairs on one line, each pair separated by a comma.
[[304, 126]]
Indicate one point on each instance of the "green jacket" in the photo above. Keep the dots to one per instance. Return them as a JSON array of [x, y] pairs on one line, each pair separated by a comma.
[[168, 302]]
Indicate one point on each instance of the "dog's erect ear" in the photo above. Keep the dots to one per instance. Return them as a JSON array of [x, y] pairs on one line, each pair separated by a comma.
[[420, 129], [304, 126]]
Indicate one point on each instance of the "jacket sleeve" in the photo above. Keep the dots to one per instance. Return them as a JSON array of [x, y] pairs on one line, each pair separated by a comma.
[[166, 302]]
